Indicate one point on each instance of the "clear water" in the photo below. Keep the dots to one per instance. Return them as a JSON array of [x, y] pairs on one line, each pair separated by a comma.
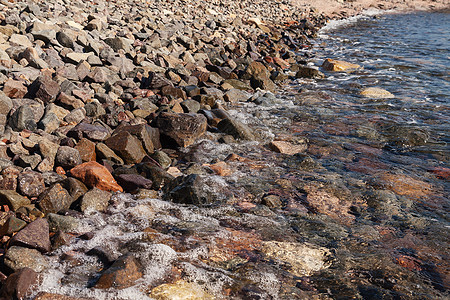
[[364, 212]]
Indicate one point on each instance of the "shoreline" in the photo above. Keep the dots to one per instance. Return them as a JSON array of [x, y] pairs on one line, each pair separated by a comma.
[[102, 100]]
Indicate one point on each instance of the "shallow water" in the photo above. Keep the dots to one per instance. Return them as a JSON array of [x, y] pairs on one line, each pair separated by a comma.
[[363, 212]]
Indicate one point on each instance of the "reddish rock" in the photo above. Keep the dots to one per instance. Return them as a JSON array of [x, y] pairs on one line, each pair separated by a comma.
[[127, 146], [441, 172], [184, 129], [287, 147], [86, 148], [406, 186], [143, 132], [8, 178], [69, 102], [14, 89], [45, 89], [20, 284], [35, 235], [122, 274], [257, 70], [94, 174]]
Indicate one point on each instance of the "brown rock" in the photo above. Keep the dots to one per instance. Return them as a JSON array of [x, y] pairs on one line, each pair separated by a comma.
[[140, 131], [45, 89], [184, 129], [257, 70], [54, 199], [12, 199], [31, 184], [8, 178], [35, 235], [14, 89], [12, 225], [95, 199], [94, 174], [122, 274], [104, 152], [406, 186], [86, 148], [338, 65], [51, 296], [287, 148], [132, 182], [127, 146], [20, 284]]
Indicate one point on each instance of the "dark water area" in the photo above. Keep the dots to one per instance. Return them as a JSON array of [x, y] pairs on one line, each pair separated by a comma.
[[362, 212]]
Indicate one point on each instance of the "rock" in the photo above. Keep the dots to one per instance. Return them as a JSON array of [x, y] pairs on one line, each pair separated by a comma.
[[182, 128], [287, 147], [157, 175], [95, 199], [75, 57], [61, 239], [86, 149], [235, 95], [405, 185], [5, 60], [52, 296], [123, 273], [14, 89], [142, 132], [127, 146], [23, 118], [44, 88], [20, 284], [257, 70], [67, 157], [162, 158], [75, 187], [179, 290], [17, 258], [92, 174], [49, 123], [12, 225], [132, 182], [35, 236], [309, 72], [69, 102], [339, 65], [8, 178], [54, 199], [375, 92], [236, 128], [30, 183], [272, 201], [63, 223], [104, 152], [13, 199], [303, 259], [89, 131], [29, 161]]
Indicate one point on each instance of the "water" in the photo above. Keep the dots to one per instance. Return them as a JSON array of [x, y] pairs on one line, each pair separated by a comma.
[[362, 213]]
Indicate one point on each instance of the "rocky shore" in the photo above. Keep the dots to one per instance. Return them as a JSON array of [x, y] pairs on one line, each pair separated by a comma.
[[101, 98]]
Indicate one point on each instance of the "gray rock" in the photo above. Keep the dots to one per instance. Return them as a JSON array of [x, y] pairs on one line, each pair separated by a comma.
[[35, 236], [236, 128], [95, 200], [63, 223], [17, 258], [30, 183], [68, 157]]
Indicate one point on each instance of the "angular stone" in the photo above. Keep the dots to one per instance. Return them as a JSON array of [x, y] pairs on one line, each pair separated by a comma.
[[35, 236], [67, 157], [12, 225], [93, 174], [86, 148], [184, 129], [64, 39], [127, 146], [95, 200], [123, 273], [235, 95], [69, 102], [75, 187], [8, 178], [236, 128], [49, 123], [257, 70], [23, 118], [339, 65], [20, 284], [75, 57], [13, 199], [375, 92], [140, 131], [30, 183], [63, 223], [92, 132], [97, 75], [61, 239], [17, 258], [104, 152], [45, 89], [14, 89], [54, 199], [287, 147], [5, 60], [133, 182], [156, 81]]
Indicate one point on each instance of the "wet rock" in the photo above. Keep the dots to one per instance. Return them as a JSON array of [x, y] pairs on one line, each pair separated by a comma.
[[63, 223], [20, 284], [133, 182], [127, 146], [17, 258], [405, 185], [12, 225], [67, 157], [182, 128], [179, 290], [12, 199], [375, 92], [123, 273], [14, 89], [95, 200], [30, 184], [54, 199], [339, 65], [52, 296], [287, 147], [309, 72], [303, 259], [236, 128], [92, 174], [35, 236]]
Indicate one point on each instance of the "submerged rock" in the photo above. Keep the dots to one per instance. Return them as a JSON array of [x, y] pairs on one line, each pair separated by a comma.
[[339, 65], [375, 92], [122, 274], [179, 290]]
